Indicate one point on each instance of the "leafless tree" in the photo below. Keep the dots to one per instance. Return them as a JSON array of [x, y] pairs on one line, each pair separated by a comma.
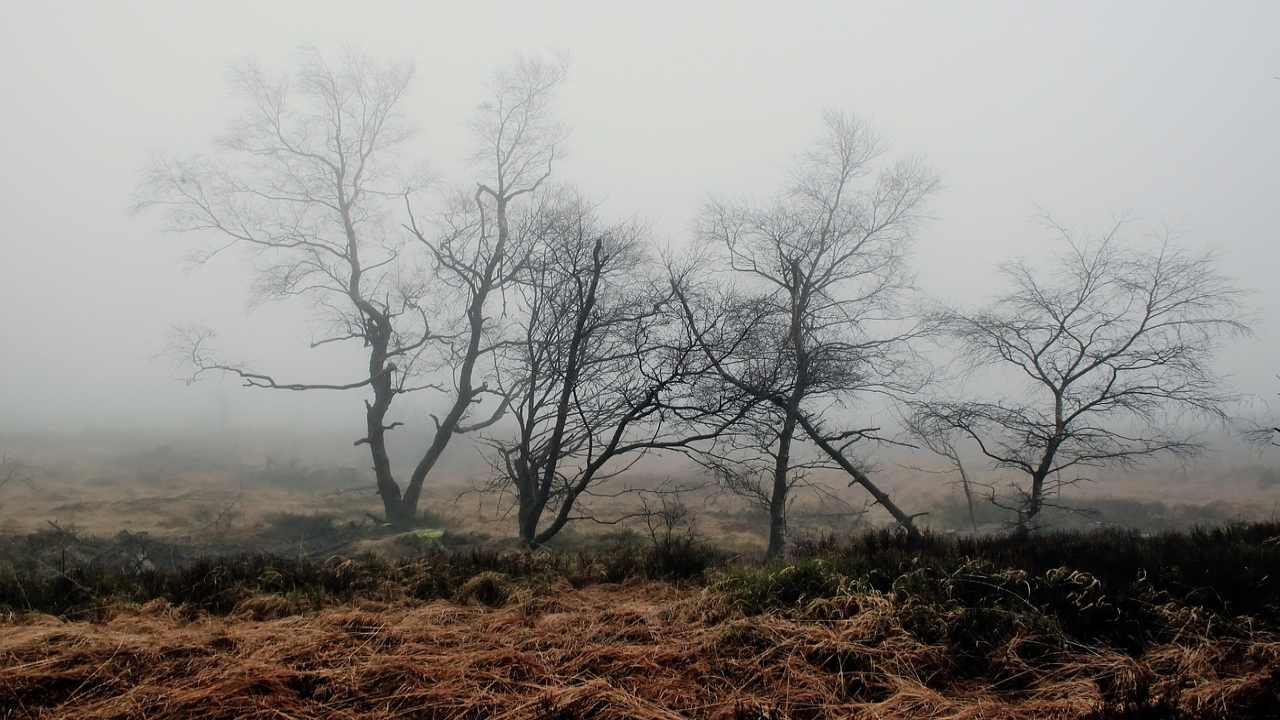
[[307, 180], [12, 470], [940, 438], [671, 524], [1112, 346], [1275, 434], [476, 250], [603, 373], [1261, 432], [816, 322]]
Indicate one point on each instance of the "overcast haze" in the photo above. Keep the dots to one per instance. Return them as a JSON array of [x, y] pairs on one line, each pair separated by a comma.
[[1166, 113]]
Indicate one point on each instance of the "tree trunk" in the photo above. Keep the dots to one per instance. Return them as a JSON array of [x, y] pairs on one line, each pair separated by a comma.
[[388, 490], [466, 389], [394, 508], [1035, 500], [527, 520], [1030, 511], [778, 498], [968, 494]]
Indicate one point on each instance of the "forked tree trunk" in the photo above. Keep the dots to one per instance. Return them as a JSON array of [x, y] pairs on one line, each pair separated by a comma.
[[467, 392]]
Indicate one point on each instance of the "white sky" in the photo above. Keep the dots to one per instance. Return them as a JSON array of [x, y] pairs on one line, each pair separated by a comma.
[[1165, 112]]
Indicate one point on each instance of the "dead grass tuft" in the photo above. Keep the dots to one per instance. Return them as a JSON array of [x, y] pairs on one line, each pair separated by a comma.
[[487, 588], [266, 607]]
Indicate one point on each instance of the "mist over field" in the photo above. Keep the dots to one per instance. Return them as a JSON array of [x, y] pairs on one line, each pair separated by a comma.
[[1165, 113], [571, 360], [1162, 115]]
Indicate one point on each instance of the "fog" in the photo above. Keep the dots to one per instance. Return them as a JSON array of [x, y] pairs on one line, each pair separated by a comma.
[[1168, 114]]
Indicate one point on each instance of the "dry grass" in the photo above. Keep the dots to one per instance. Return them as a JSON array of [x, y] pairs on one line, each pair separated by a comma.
[[645, 651]]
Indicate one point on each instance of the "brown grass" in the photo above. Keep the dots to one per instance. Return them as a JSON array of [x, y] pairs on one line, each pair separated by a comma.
[[645, 651]]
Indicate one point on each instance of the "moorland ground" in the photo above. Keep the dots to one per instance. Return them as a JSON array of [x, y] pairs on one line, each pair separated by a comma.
[[1098, 625], [154, 586]]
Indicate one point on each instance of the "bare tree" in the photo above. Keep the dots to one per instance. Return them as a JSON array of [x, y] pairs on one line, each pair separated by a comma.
[[817, 322], [1112, 345], [1262, 433], [1275, 433], [940, 438], [603, 374], [475, 249], [306, 180], [12, 470]]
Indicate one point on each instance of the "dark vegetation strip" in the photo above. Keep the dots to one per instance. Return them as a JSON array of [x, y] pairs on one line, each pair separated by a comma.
[[1111, 587]]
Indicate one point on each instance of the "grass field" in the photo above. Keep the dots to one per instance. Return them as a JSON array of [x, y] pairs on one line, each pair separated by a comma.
[[1170, 626], [159, 584]]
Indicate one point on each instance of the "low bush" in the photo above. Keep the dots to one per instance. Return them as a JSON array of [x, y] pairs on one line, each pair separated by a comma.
[[1231, 569], [780, 586]]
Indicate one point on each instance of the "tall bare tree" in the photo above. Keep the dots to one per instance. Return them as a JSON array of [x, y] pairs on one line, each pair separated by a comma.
[[1111, 345], [477, 252], [603, 374], [821, 273], [307, 180]]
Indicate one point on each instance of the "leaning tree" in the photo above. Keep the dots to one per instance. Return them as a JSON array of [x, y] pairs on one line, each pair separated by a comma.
[[1104, 354], [809, 321]]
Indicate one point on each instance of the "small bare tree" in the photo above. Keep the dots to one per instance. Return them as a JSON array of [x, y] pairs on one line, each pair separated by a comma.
[[1111, 344], [940, 438], [302, 181], [603, 373], [12, 471], [1263, 433], [818, 322], [1275, 434]]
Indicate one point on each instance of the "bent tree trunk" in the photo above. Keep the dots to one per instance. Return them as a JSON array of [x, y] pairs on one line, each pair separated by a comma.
[[904, 520], [468, 394], [1029, 513]]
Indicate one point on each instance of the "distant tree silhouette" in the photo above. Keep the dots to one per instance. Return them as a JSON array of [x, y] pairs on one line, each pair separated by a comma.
[[1104, 348]]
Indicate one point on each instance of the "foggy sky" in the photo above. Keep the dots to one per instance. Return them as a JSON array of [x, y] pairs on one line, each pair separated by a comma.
[[1166, 113]]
